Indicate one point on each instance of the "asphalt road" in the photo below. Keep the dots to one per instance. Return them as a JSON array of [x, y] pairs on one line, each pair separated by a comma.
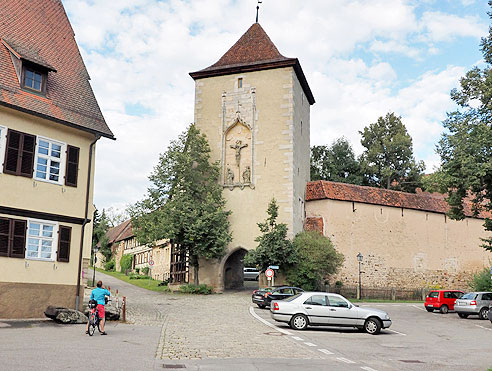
[[417, 340]]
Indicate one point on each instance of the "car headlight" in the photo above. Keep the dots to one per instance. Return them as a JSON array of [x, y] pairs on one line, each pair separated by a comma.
[[386, 316]]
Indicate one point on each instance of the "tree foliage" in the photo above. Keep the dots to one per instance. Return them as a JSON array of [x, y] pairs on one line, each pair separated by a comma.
[[126, 262], [336, 163], [388, 161], [481, 281], [273, 246], [316, 260], [185, 203], [466, 148], [99, 234]]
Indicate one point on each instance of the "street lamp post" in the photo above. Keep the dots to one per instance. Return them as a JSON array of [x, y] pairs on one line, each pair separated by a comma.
[[94, 261], [359, 259]]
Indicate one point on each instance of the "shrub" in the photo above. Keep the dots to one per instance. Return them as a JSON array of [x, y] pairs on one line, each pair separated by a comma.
[[481, 281], [196, 289], [316, 260], [145, 270], [164, 283], [135, 276], [109, 266], [126, 263], [137, 270]]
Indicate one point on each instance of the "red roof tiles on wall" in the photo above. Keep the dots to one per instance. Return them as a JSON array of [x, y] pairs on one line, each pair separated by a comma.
[[39, 31], [432, 202]]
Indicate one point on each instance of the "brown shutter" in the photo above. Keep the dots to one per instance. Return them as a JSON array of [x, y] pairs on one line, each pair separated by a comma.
[[19, 155], [4, 236], [27, 157], [18, 238], [64, 237], [12, 152], [72, 168]]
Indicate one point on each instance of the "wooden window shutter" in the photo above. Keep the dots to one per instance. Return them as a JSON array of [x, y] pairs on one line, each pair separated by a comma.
[[72, 168], [64, 237], [27, 155], [19, 154], [4, 236], [18, 238]]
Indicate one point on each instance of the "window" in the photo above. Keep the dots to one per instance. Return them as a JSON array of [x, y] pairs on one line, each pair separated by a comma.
[[487, 296], [335, 301], [434, 294], [316, 300], [240, 83], [49, 159], [34, 79], [12, 237], [41, 240], [19, 154], [3, 139]]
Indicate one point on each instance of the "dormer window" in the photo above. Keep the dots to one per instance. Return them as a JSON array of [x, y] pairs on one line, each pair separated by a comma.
[[33, 79]]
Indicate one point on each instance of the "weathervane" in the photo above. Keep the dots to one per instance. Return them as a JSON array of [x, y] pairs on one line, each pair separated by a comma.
[[258, 9]]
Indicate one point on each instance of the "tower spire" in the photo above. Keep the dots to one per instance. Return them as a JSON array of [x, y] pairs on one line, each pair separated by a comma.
[[258, 9]]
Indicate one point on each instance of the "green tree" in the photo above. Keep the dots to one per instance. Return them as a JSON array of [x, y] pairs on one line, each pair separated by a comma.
[[481, 281], [466, 147], [316, 260], [273, 246], [336, 163], [388, 161], [99, 234], [185, 202]]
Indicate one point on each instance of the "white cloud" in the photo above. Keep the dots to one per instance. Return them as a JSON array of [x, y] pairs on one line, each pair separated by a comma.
[[139, 54]]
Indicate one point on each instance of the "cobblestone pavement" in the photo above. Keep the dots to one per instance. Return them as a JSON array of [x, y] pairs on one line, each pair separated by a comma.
[[206, 327]]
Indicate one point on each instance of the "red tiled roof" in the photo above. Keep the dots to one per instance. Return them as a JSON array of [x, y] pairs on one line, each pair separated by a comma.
[[39, 31], [254, 51], [433, 202], [115, 234]]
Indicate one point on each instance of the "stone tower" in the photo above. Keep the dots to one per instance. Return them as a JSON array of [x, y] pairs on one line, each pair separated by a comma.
[[254, 105]]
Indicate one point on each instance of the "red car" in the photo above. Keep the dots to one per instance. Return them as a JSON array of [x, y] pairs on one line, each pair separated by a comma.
[[442, 300]]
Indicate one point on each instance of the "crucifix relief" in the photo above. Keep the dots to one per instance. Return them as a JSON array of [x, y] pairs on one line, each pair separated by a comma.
[[237, 155]]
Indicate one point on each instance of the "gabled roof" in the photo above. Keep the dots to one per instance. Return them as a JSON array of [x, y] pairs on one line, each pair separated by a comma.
[[254, 51], [120, 232], [39, 31], [432, 202]]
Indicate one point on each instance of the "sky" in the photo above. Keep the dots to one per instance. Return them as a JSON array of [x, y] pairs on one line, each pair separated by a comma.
[[362, 59]]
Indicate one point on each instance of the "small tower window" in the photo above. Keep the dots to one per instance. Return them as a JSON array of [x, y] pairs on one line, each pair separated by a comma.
[[34, 79], [240, 83]]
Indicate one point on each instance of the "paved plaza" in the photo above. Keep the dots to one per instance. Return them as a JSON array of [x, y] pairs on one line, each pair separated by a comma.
[[225, 332]]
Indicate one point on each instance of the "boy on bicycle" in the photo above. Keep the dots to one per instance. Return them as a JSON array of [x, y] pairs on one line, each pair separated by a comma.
[[99, 294]]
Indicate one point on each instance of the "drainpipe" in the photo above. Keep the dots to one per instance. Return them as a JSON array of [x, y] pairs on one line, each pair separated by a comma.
[[86, 221]]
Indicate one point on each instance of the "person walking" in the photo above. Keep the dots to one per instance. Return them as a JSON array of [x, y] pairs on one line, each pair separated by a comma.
[[99, 294]]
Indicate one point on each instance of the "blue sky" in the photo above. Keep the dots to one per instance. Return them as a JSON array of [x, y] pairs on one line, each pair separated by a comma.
[[362, 58]]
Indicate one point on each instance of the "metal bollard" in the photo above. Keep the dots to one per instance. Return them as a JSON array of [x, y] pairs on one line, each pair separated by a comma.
[[124, 308]]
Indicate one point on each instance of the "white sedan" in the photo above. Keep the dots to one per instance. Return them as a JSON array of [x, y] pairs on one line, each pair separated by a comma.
[[326, 309]]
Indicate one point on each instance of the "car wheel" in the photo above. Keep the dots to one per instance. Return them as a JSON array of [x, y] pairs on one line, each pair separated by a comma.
[[261, 306], [299, 322], [429, 309], [463, 315], [372, 326], [444, 309], [483, 313]]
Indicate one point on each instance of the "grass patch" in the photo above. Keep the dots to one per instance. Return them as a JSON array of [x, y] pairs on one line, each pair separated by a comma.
[[152, 285]]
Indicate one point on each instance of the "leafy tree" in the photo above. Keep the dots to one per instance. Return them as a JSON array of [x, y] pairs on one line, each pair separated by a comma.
[[115, 217], [126, 263], [336, 163], [466, 148], [481, 281], [99, 237], [388, 161], [185, 203], [316, 259], [273, 246]]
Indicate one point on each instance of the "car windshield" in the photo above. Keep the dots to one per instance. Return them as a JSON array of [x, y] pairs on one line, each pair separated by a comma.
[[433, 294], [292, 297], [265, 289], [469, 296]]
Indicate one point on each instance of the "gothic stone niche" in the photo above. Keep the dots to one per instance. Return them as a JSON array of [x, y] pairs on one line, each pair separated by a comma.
[[238, 156]]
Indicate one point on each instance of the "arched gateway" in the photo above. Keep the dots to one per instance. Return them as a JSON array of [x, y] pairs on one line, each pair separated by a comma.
[[233, 269]]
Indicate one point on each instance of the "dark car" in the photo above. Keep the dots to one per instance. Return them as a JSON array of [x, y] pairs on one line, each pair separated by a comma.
[[263, 297]]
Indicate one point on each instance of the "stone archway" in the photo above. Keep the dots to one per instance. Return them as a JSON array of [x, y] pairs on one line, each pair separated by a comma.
[[233, 272]]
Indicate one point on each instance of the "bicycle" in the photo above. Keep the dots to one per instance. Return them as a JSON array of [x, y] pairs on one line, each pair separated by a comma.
[[93, 318]]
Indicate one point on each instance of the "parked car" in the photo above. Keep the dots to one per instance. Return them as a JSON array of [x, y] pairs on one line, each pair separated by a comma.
[[251, 274], [442, 300], [490, 313], [476, 303], [263, 297], [326, 309]]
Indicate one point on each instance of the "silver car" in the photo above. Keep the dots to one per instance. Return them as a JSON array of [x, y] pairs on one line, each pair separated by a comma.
[[251, 274], [476, 303], [325, 309]]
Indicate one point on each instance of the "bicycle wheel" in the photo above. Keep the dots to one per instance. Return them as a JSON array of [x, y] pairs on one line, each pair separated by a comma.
[[92, 324]]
